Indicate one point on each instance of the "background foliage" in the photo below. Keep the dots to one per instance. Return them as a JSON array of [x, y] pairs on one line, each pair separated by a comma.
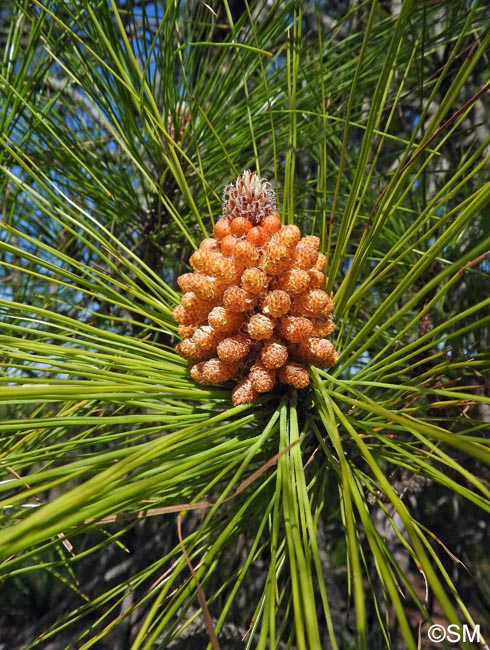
[[139, 510]]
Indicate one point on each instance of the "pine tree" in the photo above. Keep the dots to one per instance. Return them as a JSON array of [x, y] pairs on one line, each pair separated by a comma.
[[141, 509]]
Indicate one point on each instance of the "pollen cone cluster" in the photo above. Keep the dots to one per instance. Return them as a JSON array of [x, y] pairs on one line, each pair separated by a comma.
[[254, 308]]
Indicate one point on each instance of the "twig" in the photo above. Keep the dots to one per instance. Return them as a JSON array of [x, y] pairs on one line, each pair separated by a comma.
[[208, 621]]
